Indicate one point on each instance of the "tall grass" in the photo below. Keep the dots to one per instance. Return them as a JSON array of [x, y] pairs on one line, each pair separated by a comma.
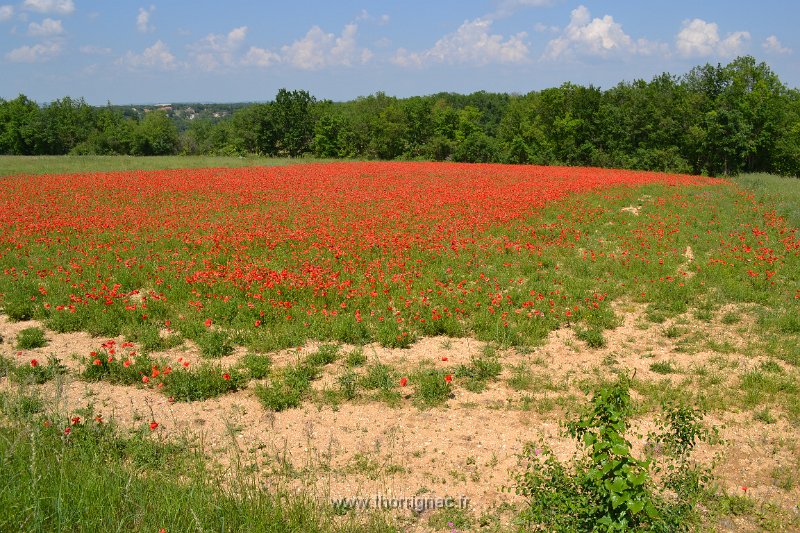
[[97, 477]]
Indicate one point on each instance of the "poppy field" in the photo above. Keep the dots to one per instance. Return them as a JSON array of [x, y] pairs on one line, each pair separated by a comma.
[[412, 295], [351, 252]]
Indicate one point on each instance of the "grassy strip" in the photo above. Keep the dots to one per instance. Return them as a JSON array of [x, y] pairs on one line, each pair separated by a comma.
[[11, 165], [75, 474]]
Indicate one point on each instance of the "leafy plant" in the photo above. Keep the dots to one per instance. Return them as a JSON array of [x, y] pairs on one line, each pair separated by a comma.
[[606, 488]]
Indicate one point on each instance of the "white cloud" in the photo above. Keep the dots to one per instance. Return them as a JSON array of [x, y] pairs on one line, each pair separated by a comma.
[[62, 7], [259, 57], [6, 12], [47, 28], [472, 44], [699, 38], [602, 37], [35, 54], [94, 50], [319, 49], [156, 57], [218, 49], [143, 20], [774, 46]]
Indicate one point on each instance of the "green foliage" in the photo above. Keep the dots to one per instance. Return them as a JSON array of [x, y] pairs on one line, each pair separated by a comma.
[[288, 388], [481, 369], [431, 387], [606, 488], [30, 338], [215, 344], [33, 371], [593, 337], [201, 383], [255, 366], [103, 366]]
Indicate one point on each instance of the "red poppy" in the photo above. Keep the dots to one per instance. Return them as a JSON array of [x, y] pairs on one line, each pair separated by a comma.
[[208, 322], [448, 378], [145, 379], [34, 363], [153, 425], [403, 381], [226, 376], [97, 362]]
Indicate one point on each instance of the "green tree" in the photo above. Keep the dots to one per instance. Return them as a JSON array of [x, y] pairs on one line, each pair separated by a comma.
[[294, 122], [156, 134]]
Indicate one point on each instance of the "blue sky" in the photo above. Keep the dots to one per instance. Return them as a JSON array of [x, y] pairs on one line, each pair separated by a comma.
[[177, 51]]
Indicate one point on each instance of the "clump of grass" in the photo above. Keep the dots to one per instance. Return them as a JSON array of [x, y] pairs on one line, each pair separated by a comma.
[[355, 357], [325, 355], [348, 384], [379, 377], [664, 367], [431, 387], [119, 371], [31, 338], [765, 416], [202, 382], [593, 337], [256, 366], [215, 344], [149, 339], [673, 332], [287, 388], [481, 369], [34, 371], [730, 318], [521, 377]]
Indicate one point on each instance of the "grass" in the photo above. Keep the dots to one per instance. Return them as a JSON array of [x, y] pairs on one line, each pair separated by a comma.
[[87, 475], [287, 388], [31, 338], [13, 165]]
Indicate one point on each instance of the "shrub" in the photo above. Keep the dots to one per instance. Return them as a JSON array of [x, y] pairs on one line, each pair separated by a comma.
[[605, 487]]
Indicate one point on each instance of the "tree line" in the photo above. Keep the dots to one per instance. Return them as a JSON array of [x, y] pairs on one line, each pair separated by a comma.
[[714, 120]]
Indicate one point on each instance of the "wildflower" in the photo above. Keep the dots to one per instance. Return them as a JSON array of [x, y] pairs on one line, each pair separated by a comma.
[[34, 363], [444, 358], [97, 362], [153, 425], [208, 322], [449, 378], [258, 323], [226, 376], [145, 379], [127, 363], [67, 430], [403, 381], [76, 420]]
